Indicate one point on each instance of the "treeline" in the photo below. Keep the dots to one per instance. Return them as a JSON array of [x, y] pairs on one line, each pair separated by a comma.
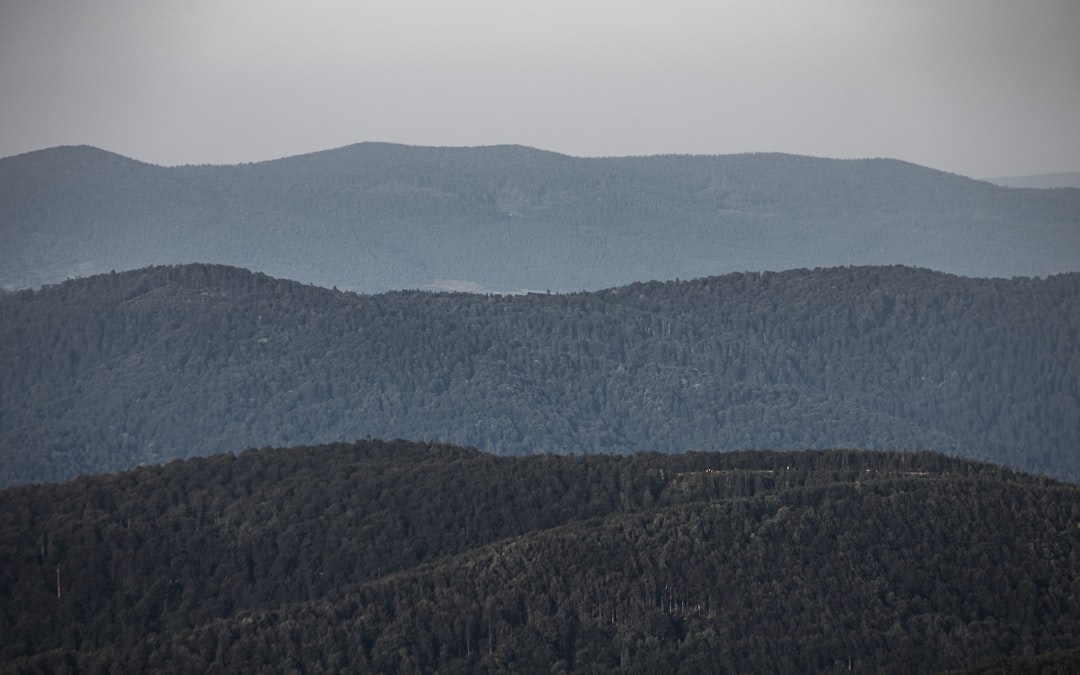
[[405, 557], [113, 371]]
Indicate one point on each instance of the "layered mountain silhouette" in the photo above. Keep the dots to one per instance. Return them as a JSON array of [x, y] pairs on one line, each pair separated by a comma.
[[373, 217], [614, 538]]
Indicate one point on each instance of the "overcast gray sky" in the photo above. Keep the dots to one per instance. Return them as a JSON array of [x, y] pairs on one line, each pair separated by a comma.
[[977, 87]]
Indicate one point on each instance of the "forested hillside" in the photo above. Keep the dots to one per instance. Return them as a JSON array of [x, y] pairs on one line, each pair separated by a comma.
[[375, 217], [117, 370], [404, 557]]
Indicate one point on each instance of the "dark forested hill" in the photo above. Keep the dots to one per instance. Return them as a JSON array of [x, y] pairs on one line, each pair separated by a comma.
[[403, 557], [113, 371], [375, 217]]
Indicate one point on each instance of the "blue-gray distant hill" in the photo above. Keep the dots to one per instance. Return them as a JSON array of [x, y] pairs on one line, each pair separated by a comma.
[[1070, 179], [115, 370], [374, 217]]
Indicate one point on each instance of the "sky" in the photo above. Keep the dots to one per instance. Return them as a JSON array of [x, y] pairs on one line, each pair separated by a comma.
[[981, 88]]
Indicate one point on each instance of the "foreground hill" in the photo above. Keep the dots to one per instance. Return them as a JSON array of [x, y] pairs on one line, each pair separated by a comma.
[[113, 371], [375, 217], [402, 557]]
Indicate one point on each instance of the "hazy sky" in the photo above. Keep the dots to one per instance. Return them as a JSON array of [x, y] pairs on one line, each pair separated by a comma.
[[978, 87]]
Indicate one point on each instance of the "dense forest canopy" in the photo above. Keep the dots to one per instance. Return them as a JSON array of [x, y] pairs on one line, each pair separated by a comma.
[[117, 370], [405, 557], [374, 217]]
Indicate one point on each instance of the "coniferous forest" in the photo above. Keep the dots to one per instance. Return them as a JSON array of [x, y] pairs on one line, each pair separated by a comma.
[[640, 479], [113, 371], [406, 557]]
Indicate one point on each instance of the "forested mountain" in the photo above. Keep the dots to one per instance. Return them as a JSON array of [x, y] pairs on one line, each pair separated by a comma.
[[375, 217], [404, 557], [117, 370]]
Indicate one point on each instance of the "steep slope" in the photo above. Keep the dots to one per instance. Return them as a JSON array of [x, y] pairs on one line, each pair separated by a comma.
[[113, 371], [375, 217], [398, 557]]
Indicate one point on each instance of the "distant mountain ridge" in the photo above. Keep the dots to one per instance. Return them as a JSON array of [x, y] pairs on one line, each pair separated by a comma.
[[373, 217], [111, 371], [1068, 179]]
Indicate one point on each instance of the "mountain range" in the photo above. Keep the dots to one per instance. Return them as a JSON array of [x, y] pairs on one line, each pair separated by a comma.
[[374, 217], [831, 468], [113, 371]]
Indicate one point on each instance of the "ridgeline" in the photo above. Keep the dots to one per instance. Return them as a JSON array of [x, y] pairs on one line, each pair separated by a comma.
[[375, 217], [114, 371]]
